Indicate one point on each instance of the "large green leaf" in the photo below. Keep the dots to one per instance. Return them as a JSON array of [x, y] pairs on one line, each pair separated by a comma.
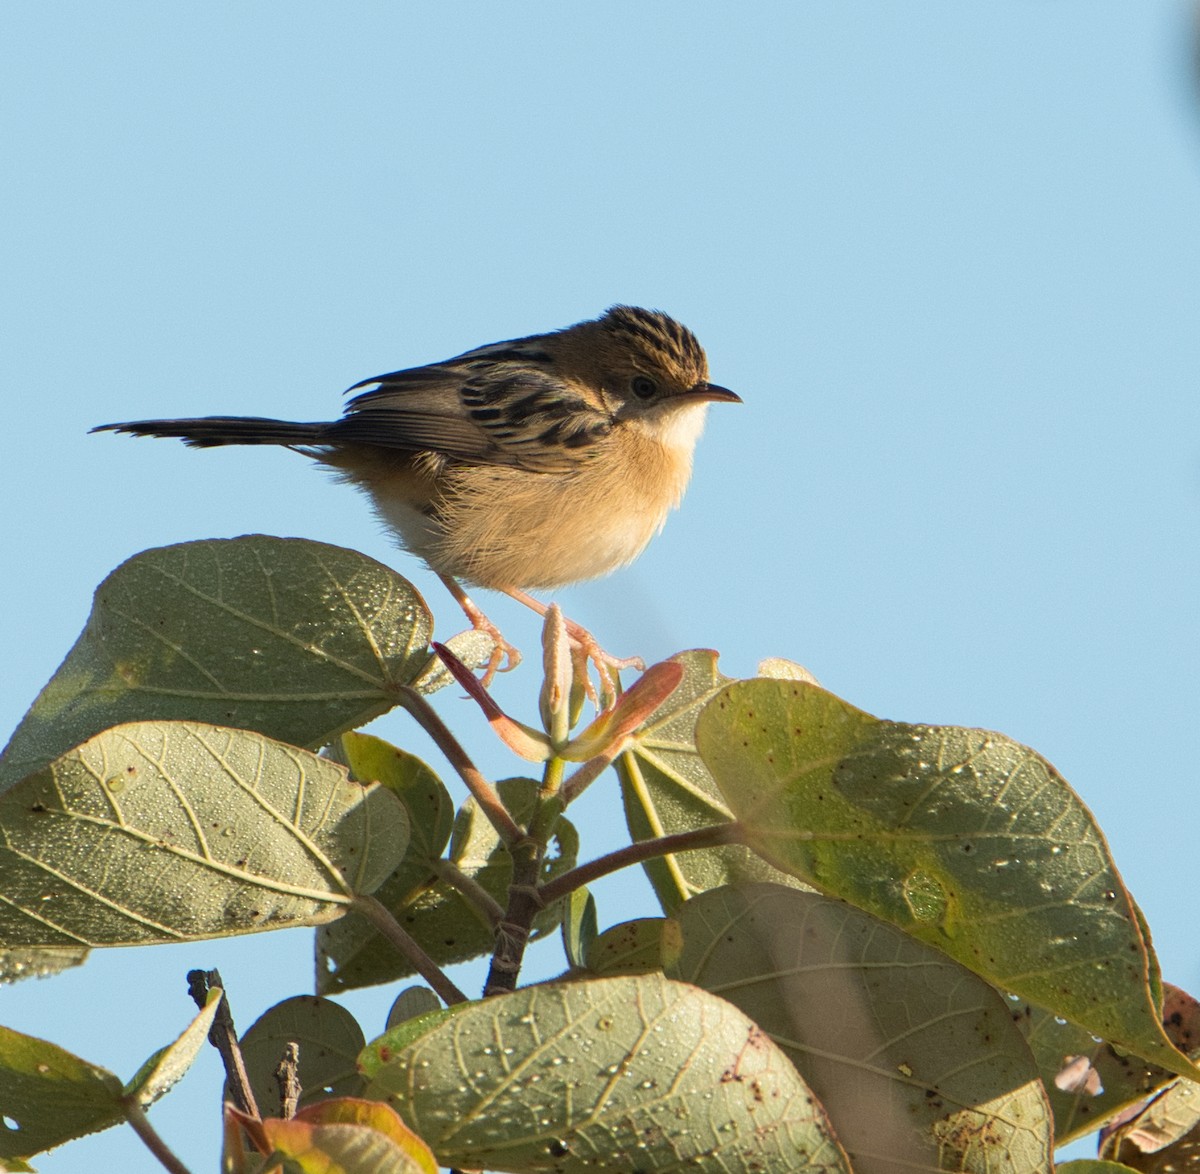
[[667, 788], [169, 831], [916, 1060], [963, 838], [294, 639], [606, 1074]]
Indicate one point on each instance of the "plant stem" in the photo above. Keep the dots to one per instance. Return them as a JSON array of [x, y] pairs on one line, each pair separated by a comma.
[[379, 916], [470, 888], [525, 902], [549, 802], [707, 837], [223, 1036], [136, 1116], [481, 790], [589, 772], [287, 1076]]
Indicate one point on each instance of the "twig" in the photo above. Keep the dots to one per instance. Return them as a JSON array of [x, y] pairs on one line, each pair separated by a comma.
[[590, 771], [481, 790], [223, 1036], [136, 1116], [380, 917], [287, 1076], [707, 837], [471, 889]]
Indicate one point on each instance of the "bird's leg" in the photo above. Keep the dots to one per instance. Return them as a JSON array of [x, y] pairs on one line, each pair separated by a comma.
[[502, 650], [589, 648]]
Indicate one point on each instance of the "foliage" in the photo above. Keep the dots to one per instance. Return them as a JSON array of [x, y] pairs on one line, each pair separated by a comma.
[[881, 947]]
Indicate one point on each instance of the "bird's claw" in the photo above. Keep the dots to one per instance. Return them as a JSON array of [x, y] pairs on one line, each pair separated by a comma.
[[586, 650], [505, 656]]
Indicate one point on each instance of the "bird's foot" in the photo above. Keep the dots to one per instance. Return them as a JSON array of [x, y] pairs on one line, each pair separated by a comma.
[[585, 650], [505, 656]]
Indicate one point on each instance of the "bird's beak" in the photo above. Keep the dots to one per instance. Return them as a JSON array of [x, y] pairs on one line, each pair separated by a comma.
[[711, 393]]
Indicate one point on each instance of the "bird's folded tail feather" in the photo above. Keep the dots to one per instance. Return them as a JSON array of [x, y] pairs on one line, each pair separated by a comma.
[[212, 431]]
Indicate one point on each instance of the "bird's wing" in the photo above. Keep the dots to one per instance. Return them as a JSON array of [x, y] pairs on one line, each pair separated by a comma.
[[478, 410]]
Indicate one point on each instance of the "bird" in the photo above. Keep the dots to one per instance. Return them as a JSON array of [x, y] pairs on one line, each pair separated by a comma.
[[521, 465]]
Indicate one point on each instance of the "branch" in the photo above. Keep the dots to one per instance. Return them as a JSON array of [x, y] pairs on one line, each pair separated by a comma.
[[379, 916], [481, 790], [471, 889], [223, 1036], [287, 1076], [136, 1116], [707, 837], [525, 901]]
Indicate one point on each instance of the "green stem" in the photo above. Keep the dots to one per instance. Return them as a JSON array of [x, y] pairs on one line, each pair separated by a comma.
[[471, 889], [481, 790], [379, 916], [136, 1116], [552, 776], [549, 804], [590, 771], [707, 837]]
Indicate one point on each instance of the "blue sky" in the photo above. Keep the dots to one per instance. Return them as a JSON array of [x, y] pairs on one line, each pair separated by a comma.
[[947, 253]]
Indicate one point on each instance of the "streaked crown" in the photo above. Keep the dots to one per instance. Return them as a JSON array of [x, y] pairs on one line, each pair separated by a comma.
[[660, 339]]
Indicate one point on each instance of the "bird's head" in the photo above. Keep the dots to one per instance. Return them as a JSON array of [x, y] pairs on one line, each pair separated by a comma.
[[647, 370]]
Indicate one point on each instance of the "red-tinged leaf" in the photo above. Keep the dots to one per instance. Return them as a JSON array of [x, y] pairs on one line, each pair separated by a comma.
[[530, 744], [611, 728]]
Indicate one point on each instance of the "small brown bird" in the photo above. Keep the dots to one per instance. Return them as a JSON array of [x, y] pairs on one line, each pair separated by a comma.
[[534, 463]]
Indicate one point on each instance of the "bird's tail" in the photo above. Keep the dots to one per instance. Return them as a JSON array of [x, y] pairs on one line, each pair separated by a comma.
[[211, 431]]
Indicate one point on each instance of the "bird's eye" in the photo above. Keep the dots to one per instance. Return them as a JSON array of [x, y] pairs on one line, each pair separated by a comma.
[[643, 387]]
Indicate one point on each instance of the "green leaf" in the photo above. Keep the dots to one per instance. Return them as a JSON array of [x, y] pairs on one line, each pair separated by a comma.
[[634, 947], [329, 1040], [411, 1003], [294, 639], [350, 952], [579, 926], [1092, 1166], [667, 789], [175, 831], [38, 963], [50, 1096], [442, 920], [617, 1073], [917, 1061], [1124, 1078], [962, 838], [159, 1074]]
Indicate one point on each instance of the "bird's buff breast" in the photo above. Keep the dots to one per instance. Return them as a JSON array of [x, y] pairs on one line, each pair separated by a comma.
[[504, 527]]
